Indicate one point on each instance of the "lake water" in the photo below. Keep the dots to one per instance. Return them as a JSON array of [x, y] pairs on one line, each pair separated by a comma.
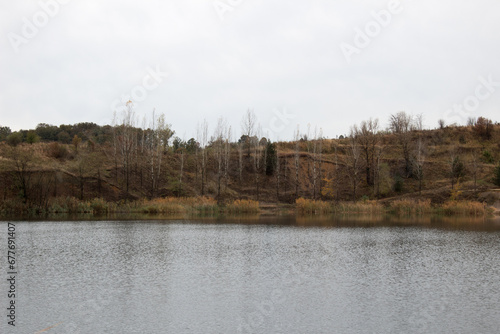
[[254, 276]]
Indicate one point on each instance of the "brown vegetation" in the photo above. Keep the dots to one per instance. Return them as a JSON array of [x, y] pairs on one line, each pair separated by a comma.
[[406, 168]]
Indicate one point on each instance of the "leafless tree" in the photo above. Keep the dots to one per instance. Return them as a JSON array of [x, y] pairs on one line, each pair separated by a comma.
[[23, 162], [441, 123], [219, 146], [126, 139], [401, 124], [457, 168], [240, 166], [297, 157], [420, 150], [278, 171], [181, 168], [248, 127], [154, 150], [353, 162], [320, 155], [202, 137], [317, 157], [227, 154], [474, 165], [378, 160], [368, 138], [257, 159]]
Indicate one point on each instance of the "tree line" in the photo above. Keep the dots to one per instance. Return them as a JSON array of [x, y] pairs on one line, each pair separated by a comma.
[[144, 158]]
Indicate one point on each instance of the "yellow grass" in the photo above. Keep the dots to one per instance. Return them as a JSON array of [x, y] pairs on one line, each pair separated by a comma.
[[465, 208], [309, 206], [410, 207], [176, 205], [371, 207]]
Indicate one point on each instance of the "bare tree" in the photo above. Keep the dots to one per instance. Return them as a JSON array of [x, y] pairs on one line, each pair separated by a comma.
[[181, 169], [320, 155], [457, 168], [336, 176], [202, 135], [419, 160], [278, 171], [115, 144], [368, 138], [475, 166], [23, 162], [257, 159], [317, 157], [378, 159], [240, 166], [227, 154], [401, 124], [248, 124], [297, 156], [126, 140], [219, 143], [154, 150], [353, 162], [81, 170], [441, 123]]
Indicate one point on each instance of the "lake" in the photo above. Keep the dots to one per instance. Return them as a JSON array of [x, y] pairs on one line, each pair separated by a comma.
[[268, 275]]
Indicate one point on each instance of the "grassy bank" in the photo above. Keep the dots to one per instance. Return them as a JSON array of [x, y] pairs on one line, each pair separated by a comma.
[[400, 207], [207, 206]]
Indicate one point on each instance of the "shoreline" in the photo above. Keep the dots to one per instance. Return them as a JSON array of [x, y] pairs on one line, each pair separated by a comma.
[[204, 207]]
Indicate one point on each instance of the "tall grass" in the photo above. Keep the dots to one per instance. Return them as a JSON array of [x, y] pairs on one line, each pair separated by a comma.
[[371, 207], [465, 208], [243, 206], [169, 205], [208, 206], [410, 207], [312, 207], [97, 206]]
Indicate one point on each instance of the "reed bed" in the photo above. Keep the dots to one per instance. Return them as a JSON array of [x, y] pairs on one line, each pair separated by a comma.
[[410, 207], [96, 206], [465, 208], [312, 207], [242, 206], [208, 206], [370, 207], [169, 205]]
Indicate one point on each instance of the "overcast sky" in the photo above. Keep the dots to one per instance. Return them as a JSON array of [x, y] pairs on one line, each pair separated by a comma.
[[327, 63]]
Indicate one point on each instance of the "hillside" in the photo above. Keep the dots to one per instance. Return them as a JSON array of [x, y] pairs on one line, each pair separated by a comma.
[[453, 161]]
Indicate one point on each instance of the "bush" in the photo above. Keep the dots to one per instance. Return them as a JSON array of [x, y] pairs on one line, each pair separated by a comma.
[[487, 157], [57, 151], [15, 139], [483, 128], [99, 205], [496, 178], [32, 137], [398, 184]]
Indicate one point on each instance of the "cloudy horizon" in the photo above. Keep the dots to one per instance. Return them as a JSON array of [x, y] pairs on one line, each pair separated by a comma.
[[328, 64]]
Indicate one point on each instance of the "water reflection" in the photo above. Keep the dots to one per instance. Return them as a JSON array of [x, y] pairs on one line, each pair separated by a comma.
[[259, 275]]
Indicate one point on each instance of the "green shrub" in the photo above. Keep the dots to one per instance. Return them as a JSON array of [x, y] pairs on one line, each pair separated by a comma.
[[496, 178], [398, 184], [487, 157]]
